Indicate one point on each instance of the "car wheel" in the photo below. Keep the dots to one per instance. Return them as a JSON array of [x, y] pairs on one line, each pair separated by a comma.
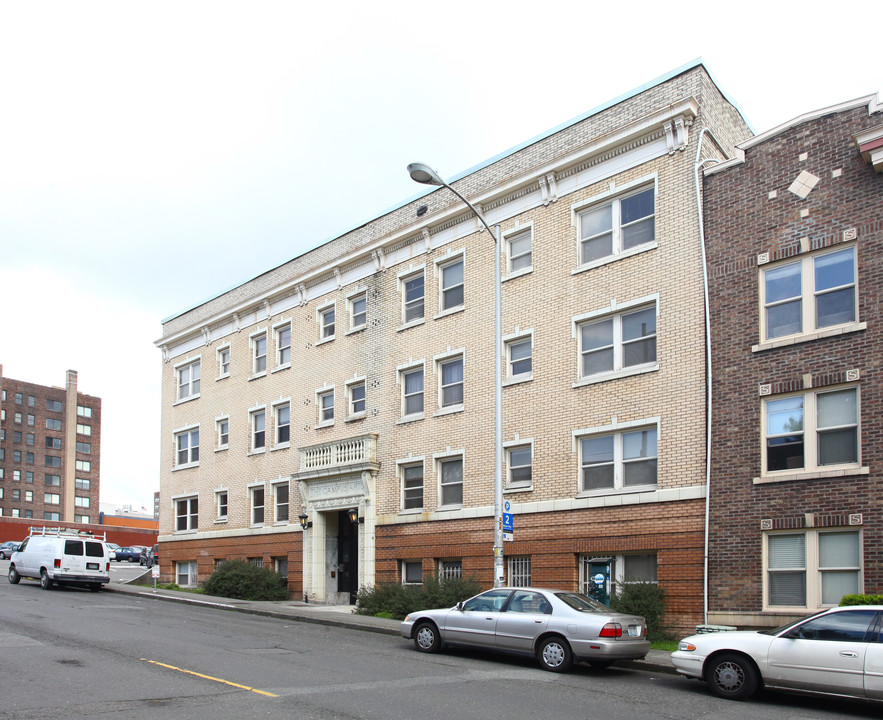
[[2, 555], [131, 559], [14, 577], [45, 580], [731, 676], [426, 638], [554, 654]]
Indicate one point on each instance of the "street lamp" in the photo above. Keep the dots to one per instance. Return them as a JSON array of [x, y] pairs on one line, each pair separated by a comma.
[[427, 176]]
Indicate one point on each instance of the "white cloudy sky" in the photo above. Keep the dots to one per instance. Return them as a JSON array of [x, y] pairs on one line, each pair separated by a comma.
[[155, 154]]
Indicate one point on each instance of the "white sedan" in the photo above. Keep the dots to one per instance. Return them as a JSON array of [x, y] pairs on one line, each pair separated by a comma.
[[837, 652]]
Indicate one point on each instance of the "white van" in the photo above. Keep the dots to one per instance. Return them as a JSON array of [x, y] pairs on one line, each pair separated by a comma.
[[63, 556]]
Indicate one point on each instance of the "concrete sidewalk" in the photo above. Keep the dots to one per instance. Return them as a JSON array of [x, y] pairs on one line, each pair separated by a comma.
[[336, 615]]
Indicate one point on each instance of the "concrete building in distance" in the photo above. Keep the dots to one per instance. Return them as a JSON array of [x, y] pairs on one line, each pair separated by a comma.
[[795, 259], [359, 377], [50, 449]]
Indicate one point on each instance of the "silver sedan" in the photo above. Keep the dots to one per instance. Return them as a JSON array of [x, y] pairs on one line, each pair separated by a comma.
[[556, 626]]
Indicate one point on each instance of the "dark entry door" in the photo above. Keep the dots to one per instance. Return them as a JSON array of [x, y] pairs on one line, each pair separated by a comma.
[[347, 556]]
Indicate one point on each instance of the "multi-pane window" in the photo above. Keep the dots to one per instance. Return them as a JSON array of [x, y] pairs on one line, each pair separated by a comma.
[[187, 447], [224, 361], [51, 442], [221, 504], [617, 227], [520, 461], [812, 569], [356, 394], [187, 513], [81, 501], [52, 479], [358, 311], [451, 389], [258, 429], [32, 401], [84, 447], [188, 380], [223, 428], [450, 569], [185, 573], [280, 493], [54, 405], [519, 571], [325, 401], [83, 484], [618, 342], [451, 285], [412, 391], [84, 429], [283, 345], [618, 460], [519, 246], [259, 354], [812, 431], [30, 438], [52, 498], [412, 298], [257, 506], [326, 323], [451, 481], [31, 420], [53, 424], [412, 486], [283, 423], [84, 411], [49, 460], [813, 293], [519, 358]]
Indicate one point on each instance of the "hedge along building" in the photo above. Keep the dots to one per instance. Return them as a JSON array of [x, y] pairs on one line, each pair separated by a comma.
[[359, 376]]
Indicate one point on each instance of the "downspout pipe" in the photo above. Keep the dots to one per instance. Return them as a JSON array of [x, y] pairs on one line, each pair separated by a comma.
[[697, 166]]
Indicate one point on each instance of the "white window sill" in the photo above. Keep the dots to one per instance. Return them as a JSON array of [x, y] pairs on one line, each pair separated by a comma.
[[449, 508], [600, 262], [518, 488], [281, 446], [411, 324], [280, 368], [360, 328], [450, 311], [189, 531], [222, 377], [222, 448], [448, 410], [186, 466], [357, 416], [630, 490], [412, 511], [518, 379], [256, 525], [258, 376], [808, 337], [280, 523], [787, 476], [605, 377], [517, 274], [410, 418], [324, 340], [257, 451], [325, 424], [221, 520], [177, 402]]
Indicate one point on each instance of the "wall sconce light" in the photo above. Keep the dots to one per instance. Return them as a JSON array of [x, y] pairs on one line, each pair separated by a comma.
[[353, 515], [304, 522]]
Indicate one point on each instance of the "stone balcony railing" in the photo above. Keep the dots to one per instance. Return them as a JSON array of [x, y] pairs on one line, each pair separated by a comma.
[[339, 454]]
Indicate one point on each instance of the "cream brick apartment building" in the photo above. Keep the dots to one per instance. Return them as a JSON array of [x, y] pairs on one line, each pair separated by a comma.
[[359, 376]]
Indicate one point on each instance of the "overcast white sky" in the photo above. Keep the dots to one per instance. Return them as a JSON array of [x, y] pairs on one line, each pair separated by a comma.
[[155, 154]]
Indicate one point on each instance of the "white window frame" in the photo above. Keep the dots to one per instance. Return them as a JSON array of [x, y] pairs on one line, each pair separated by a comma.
[[614, 198], [410, 564], [222, 508], [441, 267], [440, 362], [259, 353], [187, 387], [811, 468], [186, 573], [327, 330], [402, 371], [514, 235], [254, 430], [518, 444], [253, 489], [277, 505], [224, 354], [325, 413], [190, 514], [283, 351], [440, 460], [617, 430], [411, 305], [351, 385], [188, 433], [509, 342], [222, 438], [808, 300], [402, 467], [355, 325], [813, 571], [277, 424]]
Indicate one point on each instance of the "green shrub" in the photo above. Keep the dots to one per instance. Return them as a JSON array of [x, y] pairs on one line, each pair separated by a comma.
[[647, 600], [394, 600], [244, 581], [861, 600]]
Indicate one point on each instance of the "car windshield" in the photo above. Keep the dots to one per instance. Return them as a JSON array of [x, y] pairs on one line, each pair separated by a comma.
[[582, 603], [783, 628]]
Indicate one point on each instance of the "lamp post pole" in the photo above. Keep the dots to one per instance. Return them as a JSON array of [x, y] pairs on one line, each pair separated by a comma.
[[427, 176]]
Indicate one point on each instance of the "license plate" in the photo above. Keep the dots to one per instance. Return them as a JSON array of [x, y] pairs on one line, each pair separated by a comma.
[[91, 566], [634, 631]]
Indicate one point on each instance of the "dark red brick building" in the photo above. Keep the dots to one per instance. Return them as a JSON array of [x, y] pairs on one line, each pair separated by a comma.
[[794, 237]]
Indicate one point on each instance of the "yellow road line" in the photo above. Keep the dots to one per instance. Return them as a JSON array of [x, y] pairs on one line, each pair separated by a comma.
[[209, 677]]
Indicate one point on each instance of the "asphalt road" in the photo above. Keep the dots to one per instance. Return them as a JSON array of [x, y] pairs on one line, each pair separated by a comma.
[[69, 653]]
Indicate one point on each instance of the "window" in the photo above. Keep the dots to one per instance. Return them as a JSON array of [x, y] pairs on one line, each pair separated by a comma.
[[52, 479], [326, 323], [358, 311], [283, 424], [280, 493], [259, 354], [51, 442], [257, 505], [618, 461], [18, 418], [29, 476], [450, 569], [356, 398], [451, 481], [812, 569], [186, 514], [54, 405], [224, 361], [325, 401], [412, 486], [188, 380], [77, 518], [53, 424], [281, 566], [29, 496], [17, 437], [187, 446], [813, 293], [283, 346], [451, 382], [222, 426], [84, 411], [519, 571], [83, 484], [618, 342], [519, 360], [185, 573], [19, 398], [451, 286], [617, 227], [82, 502], [84, 429], [412, 572], [412, 391], [813, 431], [50, 498], [50, 460], [221, 504], [32, 401], [30, 438], [84, 447], [518, 249], [31, 420], [16, 476], [54, 516], [258, 430], [520, 462], [412, 297]]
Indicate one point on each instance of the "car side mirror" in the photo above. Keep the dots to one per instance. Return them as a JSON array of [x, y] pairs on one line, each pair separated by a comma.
[[460, 606]]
